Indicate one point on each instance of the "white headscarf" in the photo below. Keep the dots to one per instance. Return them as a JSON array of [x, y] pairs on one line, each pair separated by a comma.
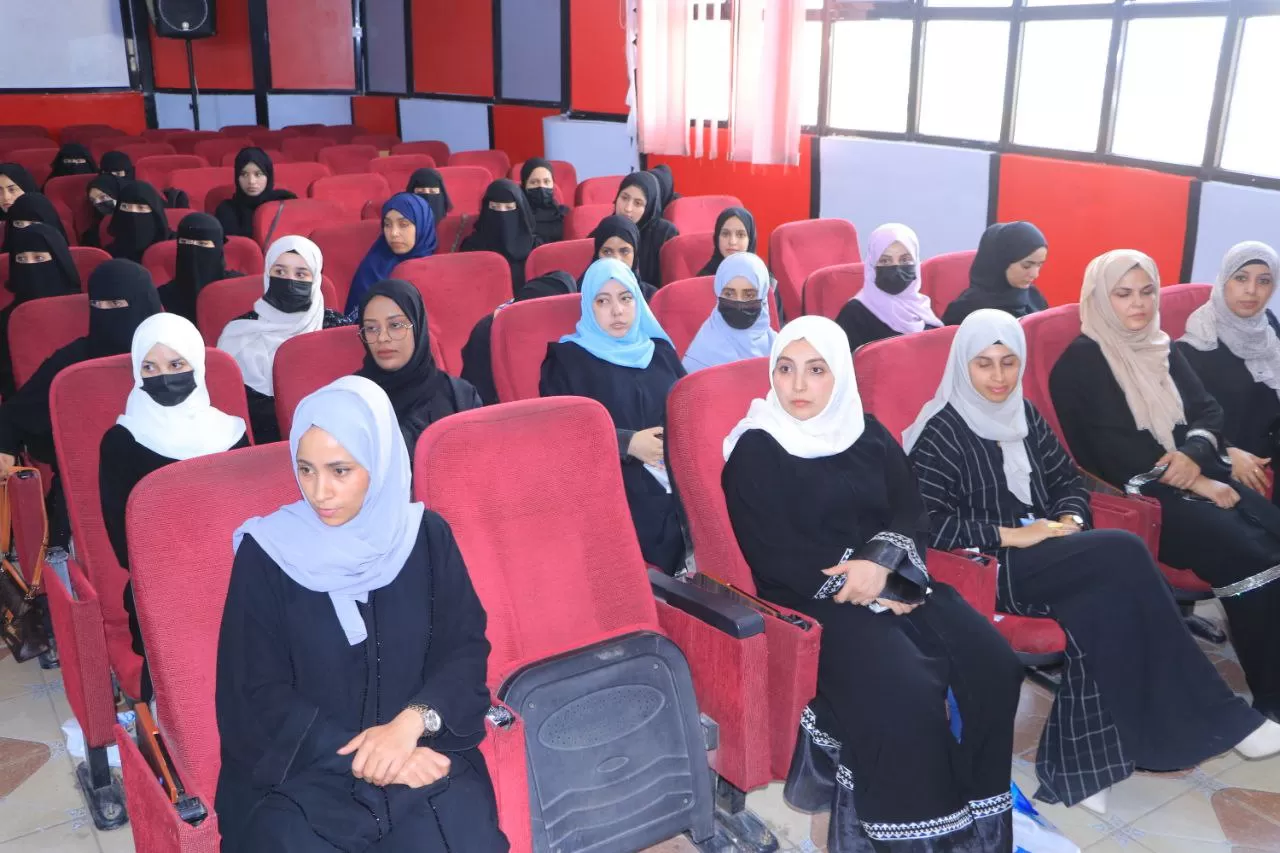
[[191, 428], [368, 552], [253, 343], [1251, 339], [841, 421], [1004, 423], [719, 343]]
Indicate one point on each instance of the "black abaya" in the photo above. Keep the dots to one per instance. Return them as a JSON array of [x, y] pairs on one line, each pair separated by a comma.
[[1001, 246], [133, 233], [510, 233], [57, 276], [548, 214], [862, 326], [236, 213], [195, 266]]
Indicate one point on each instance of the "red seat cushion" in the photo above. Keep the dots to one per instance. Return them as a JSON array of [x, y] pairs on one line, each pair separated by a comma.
[[796, 249]]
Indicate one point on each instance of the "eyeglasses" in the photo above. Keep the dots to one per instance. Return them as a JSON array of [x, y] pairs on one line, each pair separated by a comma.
[[397, 330]]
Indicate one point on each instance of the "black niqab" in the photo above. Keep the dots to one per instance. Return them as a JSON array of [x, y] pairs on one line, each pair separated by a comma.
[[32, 207], [55, 277], [439, 201], [196, 266], [117, 161], [236, 213], [510, 233], [725, 215], [654, 230], [111, 329], [73, 151], [133, 233], [1002, 244], [548, 217]]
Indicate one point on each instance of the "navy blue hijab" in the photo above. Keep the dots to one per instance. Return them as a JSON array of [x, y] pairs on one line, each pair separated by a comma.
[[380, 261]]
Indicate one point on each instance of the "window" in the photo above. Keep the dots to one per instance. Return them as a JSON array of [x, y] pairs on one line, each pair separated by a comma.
[[962, 90], [1064, 69], [968, 3], [811, 73], [1166, 88], [1066, 2], [870, 75], [1252, 142], [707, 76]]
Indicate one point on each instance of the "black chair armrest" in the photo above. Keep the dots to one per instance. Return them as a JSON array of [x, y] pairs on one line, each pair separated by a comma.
[[716, 609]]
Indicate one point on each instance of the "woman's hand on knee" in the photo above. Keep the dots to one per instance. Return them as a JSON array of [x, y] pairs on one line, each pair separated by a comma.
[[864, 581], [381, 751], [424, 767], [1220, 493], [1248, 469]]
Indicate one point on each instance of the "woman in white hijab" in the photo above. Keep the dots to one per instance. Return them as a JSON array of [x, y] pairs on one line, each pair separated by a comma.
[[739, 326], [1135, 415], [352, 656], [826, 511], [1137, 690], [167, 417]]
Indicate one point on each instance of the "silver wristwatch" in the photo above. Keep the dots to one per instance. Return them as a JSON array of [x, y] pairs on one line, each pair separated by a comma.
[[431, 722], [1078, 519]]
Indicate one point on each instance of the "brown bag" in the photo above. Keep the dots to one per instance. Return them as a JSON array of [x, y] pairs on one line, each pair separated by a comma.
[[24, 620]]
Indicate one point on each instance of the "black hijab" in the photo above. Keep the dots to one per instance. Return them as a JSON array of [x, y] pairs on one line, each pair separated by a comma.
[[32, 207], [20, 176], [1002, 244], [111, 329], [420, 392], [133, 233], [196, 266], [55, 277], [236, 213], [654, 230], [510, 233], [667, 182], [622, 227], [548, 215], [73, 151], [439, 201], [725, 215], [110, 185], [117, 161]]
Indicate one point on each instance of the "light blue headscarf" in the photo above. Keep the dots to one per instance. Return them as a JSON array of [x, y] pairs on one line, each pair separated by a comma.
[[719, 343], [635, 348], [366, 553]]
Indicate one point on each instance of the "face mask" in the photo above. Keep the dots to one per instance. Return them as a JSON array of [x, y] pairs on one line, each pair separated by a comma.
[[541, 197], [895, 279], [104, 207], [170, 389], [287, 295], [740, 315]]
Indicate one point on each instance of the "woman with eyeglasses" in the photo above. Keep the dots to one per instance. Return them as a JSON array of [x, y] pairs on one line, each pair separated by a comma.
[[397, 344]]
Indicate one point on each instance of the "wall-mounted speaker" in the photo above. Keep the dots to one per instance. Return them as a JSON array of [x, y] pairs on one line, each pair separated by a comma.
[[184, 19]]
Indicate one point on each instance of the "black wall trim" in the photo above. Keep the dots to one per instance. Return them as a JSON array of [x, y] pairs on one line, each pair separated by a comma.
[[582, 115], [260, 52], [497, 53], [408, 50], [566, 55], [993, 190], [489, 115], [815, 177], [1192, 233]]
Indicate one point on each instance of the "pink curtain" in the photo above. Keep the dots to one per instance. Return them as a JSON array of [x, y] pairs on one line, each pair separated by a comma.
[[764, 122], [661, 28]]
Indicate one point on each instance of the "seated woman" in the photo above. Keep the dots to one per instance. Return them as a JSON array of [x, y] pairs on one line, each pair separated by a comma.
[[118, 165], [1232, 346], [890, 303], [825, 509], [139, 221], [735, 232], [73, 159], [255, 186], [408, 232], [102, 193], [538, 183], [618, 237], [350, 691], [639, 199], [1137, 691], [739, 327], [1133, 410], [29, 208], [200, 260], [40, 265], [397, 344], [505, 226], [1010, 256], [427, 183], [14, 181], [291, 305], [167, 417], [620, 356], [666, 183]]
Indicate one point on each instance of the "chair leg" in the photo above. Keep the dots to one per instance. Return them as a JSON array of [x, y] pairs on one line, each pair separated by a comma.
[[736, 828], [1205, 629], [103, 793]]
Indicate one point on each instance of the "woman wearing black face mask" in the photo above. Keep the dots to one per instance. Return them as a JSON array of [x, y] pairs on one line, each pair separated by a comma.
[[73, 159], [118, 165], [505, 226], [428, 184], [167, 417], [102, 192], [539, 186], [40, 265], [640, 200], [890, 302], [29, 208], [139, 221], [200, 261], [739, 326]]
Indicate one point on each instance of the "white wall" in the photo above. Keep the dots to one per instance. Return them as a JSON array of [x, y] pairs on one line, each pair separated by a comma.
[[595, 148], [51, 44], [284, 110], [462, 125], [216, 111], [1231, 214]]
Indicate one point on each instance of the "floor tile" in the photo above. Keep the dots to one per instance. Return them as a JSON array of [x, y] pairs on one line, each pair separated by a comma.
[[791, 826], [70, 837], [1142, 793], [1119, 844], [1172, 844], [29, 717], [18, 679], [116, 840], [1243, 816], [48, 798], [1189, 816], [679, 844]]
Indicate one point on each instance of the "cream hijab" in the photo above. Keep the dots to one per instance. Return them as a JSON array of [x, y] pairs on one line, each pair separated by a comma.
[[1139, 360]]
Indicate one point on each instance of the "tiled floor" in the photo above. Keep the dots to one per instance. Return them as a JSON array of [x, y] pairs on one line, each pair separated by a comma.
[[1227, 805]]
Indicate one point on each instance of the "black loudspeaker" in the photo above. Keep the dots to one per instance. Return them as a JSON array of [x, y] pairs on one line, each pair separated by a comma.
[[184, 19]]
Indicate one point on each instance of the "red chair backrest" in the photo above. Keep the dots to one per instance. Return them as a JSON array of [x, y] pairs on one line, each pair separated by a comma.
[[162, 134], [197, 183], [828, 289], [1048, 333], [304, 148], [297, 178], [242, 129], [72, 191], [433, 148], [384, 142], [945, 277], [683, 306], [41, 327], [300, 216], [86, 259], [698, 212], [494, 160], [798, 248], [601, 190], [277, 157], [684, 255], [563, 175], [37, 161], [518, 561], [26, 143], [28, 130], [265, 138], [582, 220], [186, 143], [309, 362], [398, 168], [306, 129], [85, 133], [897, 376], [220, 302], [350, 191], [344, 134], [571, 256], [217, 196], [458, 289], [139, 150], [102, 144], [213, 149], [156, 169], [343, 247], [466, 186], [175, 215], [519, 338], [451, 231], [347, 159], [1177, 301], [181, 611], [701, 410], [242, 254]]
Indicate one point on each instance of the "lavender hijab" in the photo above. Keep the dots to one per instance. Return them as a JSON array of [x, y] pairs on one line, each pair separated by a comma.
[[909, 311]]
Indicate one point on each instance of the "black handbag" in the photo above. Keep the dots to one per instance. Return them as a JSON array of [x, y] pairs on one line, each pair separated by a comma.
[[24, 619]]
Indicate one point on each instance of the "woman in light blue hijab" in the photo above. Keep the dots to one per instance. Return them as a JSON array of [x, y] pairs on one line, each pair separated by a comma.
[[739, 326]]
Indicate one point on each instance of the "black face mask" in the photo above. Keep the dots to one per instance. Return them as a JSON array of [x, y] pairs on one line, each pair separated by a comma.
[[895, 279], [288, 295], [170, 389], [740, 315], [541, 197], [105, 207]]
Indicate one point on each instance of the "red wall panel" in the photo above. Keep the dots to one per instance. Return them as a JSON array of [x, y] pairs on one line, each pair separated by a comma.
[[1085, 209], [518, 130], [453, 47], [123, 110], [598, 58], [311, 46], [222, 62], [375, 113]]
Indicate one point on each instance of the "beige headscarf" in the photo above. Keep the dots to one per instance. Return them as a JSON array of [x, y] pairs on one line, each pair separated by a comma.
[[1138, 360]]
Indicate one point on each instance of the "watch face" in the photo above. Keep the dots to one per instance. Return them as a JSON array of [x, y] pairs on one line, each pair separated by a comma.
[[431, 721]]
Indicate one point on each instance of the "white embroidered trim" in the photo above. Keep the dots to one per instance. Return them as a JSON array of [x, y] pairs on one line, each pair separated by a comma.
[[844, 776], [905, 543], [991, 806], [1249, 584], [919, 828], [834, 584], [1205, 434], [809, 722]]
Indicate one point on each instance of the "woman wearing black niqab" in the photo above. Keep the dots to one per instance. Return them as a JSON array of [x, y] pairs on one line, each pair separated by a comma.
[[139, 221], [200, 261], [236, 213], [427, 183], [73, 159], [640, 200], [102, 192], [1010, 255], [727, 237], [31, 208], [15, 180], [118, 165], [548, 214], [40, 265], [505, 226]]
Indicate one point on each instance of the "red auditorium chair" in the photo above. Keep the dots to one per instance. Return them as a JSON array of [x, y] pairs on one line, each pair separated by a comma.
[[213, 149], [300, 216], [458, 289], [186, 142], [304, 148], [162, 134], [1177, 301], [520, 334], [466, 186], [72, 191], [229, 159], [306, 129], [683, 306], [175, 215], [242, 254], [698, 212], [798, 248], [350, 191], [102, 144], [86, 258], [384, 142], [298, 177], [240, 129], [583, 219], [684, 256], [138, 150], [26, 143], [39, 328], [451, 231], [37, 161], [220, 302], [217, 196], [84, 133], [264, 138], [944, 277], [197, 183], [343, 247], [398, 168], [494, 160], [601, 190], [345, 134], [8, 130], [828, 289], [306, 363], [157, 169], [571, 256], [563, 174], [433, 148], [347, 159]]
